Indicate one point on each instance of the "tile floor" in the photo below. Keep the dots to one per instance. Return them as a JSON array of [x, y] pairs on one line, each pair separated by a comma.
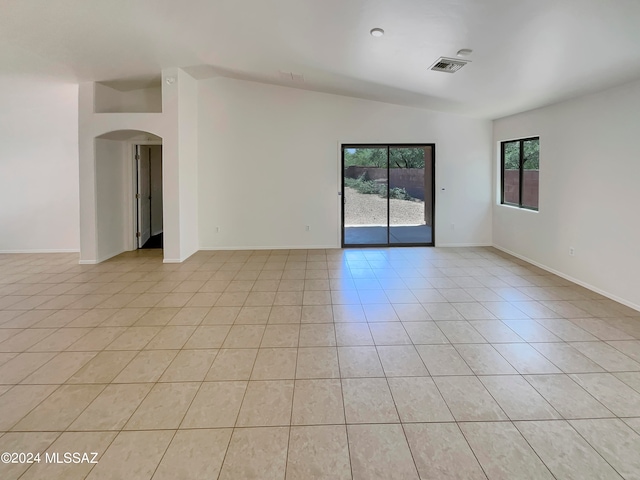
[[367, 364]]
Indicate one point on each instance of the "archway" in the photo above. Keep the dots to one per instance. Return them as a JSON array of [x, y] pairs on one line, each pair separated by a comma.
[[123, 211]]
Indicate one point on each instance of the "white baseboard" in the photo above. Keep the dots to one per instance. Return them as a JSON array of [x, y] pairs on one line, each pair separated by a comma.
[[110, 255], [172, 260], [279, 247], [101, 259], [52, 250], [328, 247], [463, 245], [571, 279]]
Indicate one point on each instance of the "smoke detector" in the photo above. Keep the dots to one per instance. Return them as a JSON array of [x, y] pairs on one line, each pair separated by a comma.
[[448, 65]]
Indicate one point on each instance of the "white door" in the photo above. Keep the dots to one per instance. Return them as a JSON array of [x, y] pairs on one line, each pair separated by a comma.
[[144, 194]]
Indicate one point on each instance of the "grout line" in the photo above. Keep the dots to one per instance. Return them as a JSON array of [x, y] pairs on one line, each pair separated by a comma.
[[329, 424], [344, 408], [43, 450], [293, 398], [446, 267], [435, 384]]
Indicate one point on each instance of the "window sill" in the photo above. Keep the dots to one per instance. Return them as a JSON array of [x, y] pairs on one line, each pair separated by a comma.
[[513, 207]]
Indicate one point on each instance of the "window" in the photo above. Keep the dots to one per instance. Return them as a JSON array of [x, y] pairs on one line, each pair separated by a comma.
[[520, 160]]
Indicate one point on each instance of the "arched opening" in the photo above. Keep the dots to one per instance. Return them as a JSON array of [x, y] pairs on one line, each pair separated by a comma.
[[129, 193]]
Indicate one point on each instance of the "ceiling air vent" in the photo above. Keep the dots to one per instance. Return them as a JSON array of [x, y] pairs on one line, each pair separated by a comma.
[[449, 65]]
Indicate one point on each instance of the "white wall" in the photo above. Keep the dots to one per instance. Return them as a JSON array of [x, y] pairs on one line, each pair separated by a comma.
[[269, 164], [143, 100], [129, 125], [113, 190], [188, 170], [38, 165], [589, 191]]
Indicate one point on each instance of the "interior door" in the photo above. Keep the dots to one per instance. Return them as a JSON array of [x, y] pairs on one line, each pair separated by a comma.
[[155, 164], [144, 194]]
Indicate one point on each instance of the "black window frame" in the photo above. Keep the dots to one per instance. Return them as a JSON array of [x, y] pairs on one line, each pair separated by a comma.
[[389, 146], [520, 142]]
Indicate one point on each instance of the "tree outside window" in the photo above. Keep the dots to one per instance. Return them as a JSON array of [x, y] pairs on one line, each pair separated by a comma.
[[520, 161]]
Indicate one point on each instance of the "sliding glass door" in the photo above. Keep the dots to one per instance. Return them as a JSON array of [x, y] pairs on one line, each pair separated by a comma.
[[388, 195], [365, 182]]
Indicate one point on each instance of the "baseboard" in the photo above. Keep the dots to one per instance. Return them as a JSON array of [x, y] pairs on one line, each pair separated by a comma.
[[279, 247], [110, 255], [571, 279], [52, 250], [448, 245], [172, 260], [328, 247], [101, 259]]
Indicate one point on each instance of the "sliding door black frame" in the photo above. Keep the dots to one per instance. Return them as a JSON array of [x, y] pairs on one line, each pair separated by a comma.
[[389, 146]]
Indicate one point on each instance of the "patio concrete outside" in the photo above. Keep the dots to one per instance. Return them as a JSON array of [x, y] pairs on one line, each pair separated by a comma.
[[365, 220], [377, 235]]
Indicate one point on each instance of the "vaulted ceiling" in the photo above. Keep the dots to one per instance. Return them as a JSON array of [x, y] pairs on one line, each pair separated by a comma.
[[526, 53]]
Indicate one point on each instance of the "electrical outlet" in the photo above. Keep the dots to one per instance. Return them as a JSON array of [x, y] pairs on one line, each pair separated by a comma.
[[217, 229], [453, 226], [308, 228], [572, 251]]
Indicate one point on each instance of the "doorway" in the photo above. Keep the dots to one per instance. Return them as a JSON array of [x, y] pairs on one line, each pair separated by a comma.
[[149, 221], [388, 195]]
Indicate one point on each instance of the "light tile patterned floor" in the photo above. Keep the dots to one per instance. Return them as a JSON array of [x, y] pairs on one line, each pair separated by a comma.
[[367, 364]]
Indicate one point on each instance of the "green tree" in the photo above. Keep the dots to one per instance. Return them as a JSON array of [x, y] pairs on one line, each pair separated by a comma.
[[366, 157], [377, 157], [406, 157], [531, 155]]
